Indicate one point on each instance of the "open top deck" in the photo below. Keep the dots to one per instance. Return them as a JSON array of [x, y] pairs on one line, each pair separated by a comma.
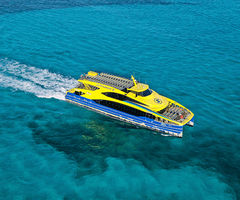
[[108, 79]]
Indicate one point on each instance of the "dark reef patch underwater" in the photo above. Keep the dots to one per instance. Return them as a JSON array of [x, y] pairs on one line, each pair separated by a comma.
[[186, 50]]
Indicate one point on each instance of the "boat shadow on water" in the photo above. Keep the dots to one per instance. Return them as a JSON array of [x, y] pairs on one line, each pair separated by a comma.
[[90, 142]]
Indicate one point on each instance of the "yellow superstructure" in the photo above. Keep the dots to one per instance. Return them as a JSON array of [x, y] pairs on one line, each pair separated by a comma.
[[130, 96]]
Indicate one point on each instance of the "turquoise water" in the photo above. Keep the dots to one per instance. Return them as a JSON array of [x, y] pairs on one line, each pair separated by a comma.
[[186, 50]]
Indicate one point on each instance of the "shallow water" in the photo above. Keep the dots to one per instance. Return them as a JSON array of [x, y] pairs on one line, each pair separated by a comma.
[[186, 50]]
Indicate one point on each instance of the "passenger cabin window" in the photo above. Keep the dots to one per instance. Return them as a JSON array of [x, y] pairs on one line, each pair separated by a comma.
[[145, 93], [121, 97], [78, 93], [115, 95], [125, 108]]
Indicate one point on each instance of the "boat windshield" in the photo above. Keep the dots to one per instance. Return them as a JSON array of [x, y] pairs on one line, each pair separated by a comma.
[[145, 93]]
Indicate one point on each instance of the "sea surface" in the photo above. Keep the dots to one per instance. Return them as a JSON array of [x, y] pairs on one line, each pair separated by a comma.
[[187, 50]]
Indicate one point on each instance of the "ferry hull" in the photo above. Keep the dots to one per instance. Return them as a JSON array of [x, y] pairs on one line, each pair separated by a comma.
[[164, 129]]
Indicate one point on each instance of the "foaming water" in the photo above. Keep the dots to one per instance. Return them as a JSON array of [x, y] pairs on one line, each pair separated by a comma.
[[39, 82]]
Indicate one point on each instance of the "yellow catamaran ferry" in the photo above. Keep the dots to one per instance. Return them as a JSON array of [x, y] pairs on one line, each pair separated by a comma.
[[130, 101]]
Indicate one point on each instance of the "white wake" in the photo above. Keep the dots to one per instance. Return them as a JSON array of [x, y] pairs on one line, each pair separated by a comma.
[[39, 82]]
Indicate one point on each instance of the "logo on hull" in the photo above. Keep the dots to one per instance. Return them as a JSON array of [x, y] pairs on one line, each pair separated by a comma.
[[158, 100]]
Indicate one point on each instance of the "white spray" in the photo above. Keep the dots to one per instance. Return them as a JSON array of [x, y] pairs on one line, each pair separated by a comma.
[[39, 82]]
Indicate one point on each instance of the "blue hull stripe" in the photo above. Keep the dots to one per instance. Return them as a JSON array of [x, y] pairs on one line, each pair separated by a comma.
[[131, 118]]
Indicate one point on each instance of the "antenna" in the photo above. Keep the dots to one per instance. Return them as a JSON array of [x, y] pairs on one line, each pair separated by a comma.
[[134, 81]]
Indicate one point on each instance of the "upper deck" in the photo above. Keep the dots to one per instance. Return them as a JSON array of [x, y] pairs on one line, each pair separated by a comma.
[[108, 79]]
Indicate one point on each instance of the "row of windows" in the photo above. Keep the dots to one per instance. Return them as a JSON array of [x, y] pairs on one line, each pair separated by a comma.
[[144, 93], [121, 97], [78, 93], [125, 108]]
